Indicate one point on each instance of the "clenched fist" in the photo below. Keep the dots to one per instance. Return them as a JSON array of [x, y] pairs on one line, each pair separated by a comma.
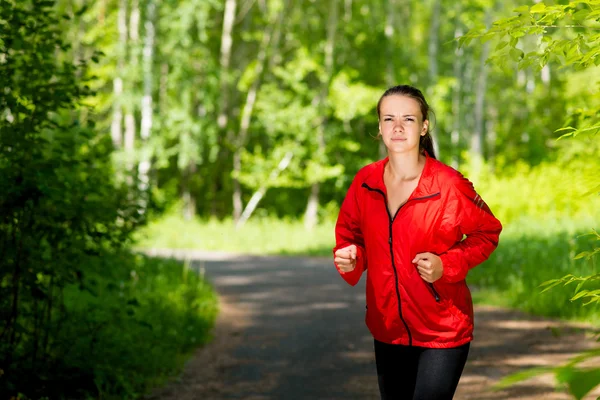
[[345, 258], [430, 266]]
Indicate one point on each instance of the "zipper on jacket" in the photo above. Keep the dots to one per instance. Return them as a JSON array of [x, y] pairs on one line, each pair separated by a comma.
[[435, 293], [390, 241]]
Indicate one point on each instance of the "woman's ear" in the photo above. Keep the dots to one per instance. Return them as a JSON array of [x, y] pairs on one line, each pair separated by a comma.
[[425, 127]]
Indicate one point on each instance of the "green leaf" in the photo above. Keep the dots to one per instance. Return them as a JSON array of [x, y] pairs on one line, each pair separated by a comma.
[[582, 255], [581, 14], [538, 8], [516, 54], [579, 381], [501, 45], [512, 379], [579, 295], [521, 9], [556, 283]]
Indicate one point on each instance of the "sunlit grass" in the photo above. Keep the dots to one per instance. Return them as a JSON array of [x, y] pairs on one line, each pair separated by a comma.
[[258, 236], [530, 252]]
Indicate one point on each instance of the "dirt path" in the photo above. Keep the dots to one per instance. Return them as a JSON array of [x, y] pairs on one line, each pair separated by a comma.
[[290, 328]]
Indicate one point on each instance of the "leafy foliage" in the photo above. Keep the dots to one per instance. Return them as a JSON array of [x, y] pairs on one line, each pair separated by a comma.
[[568, 35], [73, 302]]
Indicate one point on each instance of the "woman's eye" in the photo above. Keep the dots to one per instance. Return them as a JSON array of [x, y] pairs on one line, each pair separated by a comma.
[[387, 119], [410, 119]]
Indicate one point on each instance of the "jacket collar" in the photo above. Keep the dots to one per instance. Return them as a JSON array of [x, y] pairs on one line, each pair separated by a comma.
[[427, 185]]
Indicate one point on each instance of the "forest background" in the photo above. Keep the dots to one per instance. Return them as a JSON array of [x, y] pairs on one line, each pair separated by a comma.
[[238, 125]]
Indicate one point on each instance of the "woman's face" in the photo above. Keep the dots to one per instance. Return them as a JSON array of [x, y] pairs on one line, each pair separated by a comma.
[[401, 123]]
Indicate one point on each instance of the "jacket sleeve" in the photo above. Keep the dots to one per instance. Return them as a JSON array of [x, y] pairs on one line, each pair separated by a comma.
[[347, 232], [476, 222]]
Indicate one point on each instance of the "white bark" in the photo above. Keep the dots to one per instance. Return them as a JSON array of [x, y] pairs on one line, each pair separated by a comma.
[[134, 21], [491, 136], [249, 108], [478, 134], [390, 74], [312, 207], [189, 202], [348, 10], [117, 119], [546, 74], [146, 126], [226, 44], [433, 61], [456, 97], [258, 195], [478, 138], [129, 132], [130, 120], [434, 28], [162, 91]]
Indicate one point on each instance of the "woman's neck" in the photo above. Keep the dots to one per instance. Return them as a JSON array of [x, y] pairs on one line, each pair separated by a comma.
[[405, 166]]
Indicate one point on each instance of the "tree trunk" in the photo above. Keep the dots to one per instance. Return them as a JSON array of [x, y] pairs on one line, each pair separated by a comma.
[[312, 207], [273, 30], [129, 130], [433, 61], [134, 21], [456, 95], [390, 72], [117, 119], [130, 121], [258, 195], [477, 140], [189, 202], [348, 10], [146, 126], [491, 137], [224, 136], [162, 91], [226, 44]]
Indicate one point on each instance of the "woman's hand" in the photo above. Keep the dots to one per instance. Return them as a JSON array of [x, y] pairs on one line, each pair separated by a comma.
[[430, 266], [345, 258]]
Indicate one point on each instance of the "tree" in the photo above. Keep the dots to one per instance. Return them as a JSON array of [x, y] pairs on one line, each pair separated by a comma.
[[60, 206], [568, 35]]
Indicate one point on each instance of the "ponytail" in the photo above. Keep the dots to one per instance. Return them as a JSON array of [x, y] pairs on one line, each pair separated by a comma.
[[426, 143]]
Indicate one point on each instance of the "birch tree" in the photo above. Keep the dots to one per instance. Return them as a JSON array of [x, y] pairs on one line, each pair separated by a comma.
[[310, 216], [478, 136], [146, 106], [433, 58], [117, 118], [275, 20]]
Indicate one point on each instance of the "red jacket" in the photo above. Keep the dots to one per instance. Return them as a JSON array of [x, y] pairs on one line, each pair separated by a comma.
[[402, 308]]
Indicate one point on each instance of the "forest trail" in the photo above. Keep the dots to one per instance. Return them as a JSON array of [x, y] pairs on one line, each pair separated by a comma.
[[290, 328]]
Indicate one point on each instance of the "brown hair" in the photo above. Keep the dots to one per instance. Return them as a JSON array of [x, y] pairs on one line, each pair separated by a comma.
[[426, 141]]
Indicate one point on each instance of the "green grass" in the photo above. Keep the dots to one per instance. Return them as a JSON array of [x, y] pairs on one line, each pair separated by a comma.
[[130, 327], [530, 252], [258, 236]]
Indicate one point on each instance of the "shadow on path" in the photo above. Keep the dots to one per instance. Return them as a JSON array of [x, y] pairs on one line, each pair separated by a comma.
[[291, 328]]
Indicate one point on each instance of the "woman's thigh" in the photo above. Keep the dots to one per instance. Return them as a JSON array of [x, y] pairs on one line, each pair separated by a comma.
[[397, 367], [439, 372]]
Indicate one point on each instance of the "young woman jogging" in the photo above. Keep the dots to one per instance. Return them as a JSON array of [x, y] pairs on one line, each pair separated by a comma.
[[415, 226]]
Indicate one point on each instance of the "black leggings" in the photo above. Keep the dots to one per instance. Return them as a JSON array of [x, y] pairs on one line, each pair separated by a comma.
[[418, 373]]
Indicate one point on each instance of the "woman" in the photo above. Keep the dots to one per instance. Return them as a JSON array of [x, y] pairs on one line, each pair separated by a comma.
[[419, 226]]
